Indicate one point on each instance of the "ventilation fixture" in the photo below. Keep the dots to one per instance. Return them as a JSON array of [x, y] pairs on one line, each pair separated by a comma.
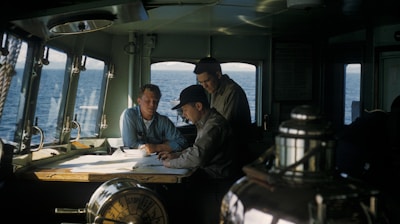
[[81, 23]]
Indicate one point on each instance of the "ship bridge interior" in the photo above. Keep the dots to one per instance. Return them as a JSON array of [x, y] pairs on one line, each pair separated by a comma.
[[277, 18]]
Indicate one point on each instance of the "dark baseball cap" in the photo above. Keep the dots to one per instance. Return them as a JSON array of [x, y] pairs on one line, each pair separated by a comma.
[[207, 64], [191, 94]]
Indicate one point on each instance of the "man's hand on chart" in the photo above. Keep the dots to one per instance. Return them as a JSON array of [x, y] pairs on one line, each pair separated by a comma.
[[149, 148], [167, 156]]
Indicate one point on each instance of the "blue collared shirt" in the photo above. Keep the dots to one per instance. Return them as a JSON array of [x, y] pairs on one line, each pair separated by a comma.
[[161, 129]]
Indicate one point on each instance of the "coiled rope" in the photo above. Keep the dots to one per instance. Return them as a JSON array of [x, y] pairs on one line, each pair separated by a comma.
[[7, 68]]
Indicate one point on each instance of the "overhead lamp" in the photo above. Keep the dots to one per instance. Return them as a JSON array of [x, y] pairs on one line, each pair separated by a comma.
[[304, 4], [81, 23]]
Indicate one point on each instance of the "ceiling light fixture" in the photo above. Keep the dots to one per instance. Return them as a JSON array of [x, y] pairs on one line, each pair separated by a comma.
[[304, 4], [81, 23]]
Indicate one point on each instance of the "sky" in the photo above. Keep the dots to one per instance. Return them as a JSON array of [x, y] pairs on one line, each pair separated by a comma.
[[353, 68], [187, 66]]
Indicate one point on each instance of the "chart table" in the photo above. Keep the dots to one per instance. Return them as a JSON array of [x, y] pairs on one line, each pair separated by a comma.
[[99, 168]]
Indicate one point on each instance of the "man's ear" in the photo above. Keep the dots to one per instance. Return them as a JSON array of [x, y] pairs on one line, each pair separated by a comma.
[[199, 106], [219, 75], [138, 100]]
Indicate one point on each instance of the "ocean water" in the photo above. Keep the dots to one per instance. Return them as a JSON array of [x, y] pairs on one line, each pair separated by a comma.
[[352, 95], [170, 82], [49, 98], [171, 88]]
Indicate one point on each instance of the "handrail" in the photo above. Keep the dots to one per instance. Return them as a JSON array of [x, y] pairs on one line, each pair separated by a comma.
[[40, 131]]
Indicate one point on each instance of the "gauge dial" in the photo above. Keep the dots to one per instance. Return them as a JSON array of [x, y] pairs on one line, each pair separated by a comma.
[[125, 201]]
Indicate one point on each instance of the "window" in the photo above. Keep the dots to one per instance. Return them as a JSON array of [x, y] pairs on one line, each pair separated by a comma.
[[352, 92], [51, 101], [174, 76], [88, 98], [50, 96], [86, 102]]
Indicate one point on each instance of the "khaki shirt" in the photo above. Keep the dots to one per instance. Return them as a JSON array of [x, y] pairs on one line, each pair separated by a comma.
[[212, 150], [231, 101]]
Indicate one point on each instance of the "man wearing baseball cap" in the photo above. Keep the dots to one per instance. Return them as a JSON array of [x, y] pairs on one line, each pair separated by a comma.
[[212, 150], [212, 155]]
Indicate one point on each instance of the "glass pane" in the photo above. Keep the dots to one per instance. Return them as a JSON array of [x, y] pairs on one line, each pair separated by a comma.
[[49, 97], [8, 121], [352, 92], [171, 77], [88, 98]]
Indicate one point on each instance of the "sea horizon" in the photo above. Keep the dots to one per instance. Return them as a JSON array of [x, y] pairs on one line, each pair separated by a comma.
[[170, 89]]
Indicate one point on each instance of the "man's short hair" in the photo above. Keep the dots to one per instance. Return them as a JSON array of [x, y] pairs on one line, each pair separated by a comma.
[[152, 88], [209, 65]]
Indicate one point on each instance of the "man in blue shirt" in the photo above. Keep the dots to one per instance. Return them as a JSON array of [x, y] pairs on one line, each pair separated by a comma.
[[143, 127]]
